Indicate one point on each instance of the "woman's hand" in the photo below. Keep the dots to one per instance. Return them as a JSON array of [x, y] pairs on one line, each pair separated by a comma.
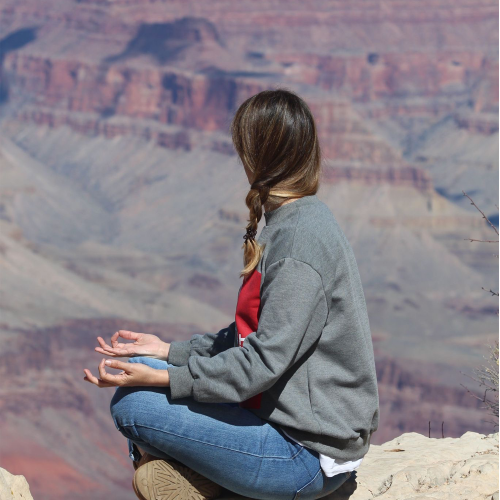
[[132, 375], [144, 345]]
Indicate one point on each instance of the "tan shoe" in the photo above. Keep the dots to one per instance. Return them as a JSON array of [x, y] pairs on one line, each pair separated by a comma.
[[158, 479], [147, 457]]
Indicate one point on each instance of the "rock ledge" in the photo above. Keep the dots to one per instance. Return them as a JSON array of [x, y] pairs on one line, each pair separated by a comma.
[[13, 487], [410, 467]]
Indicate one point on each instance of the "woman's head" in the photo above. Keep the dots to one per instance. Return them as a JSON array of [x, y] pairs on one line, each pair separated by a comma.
[[275, 137]]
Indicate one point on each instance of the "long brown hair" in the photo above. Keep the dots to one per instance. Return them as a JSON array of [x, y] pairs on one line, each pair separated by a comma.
[[275, 137]]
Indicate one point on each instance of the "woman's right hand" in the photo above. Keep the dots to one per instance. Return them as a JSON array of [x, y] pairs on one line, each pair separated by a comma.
[[144, 345]]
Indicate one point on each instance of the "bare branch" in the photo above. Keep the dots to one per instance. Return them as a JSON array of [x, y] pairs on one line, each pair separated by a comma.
[[482, 241], [490, 290], [484, 216]]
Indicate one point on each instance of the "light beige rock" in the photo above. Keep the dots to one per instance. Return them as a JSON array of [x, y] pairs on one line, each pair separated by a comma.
[[13, 487], [464, 468]]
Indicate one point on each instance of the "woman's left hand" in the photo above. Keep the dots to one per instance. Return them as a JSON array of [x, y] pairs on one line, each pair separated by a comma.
[[132, 375]]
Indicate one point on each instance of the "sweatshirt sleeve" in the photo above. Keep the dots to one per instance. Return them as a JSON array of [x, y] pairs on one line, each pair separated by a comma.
[[207, 345], [293, 312]]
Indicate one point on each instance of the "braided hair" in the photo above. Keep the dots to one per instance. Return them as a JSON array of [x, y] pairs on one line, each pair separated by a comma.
[[275, 136]]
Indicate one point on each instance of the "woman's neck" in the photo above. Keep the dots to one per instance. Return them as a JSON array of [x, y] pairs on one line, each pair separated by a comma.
[[269, 208]]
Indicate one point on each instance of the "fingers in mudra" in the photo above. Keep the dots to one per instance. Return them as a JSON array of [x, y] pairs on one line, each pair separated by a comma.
[[112, 380], [100, 382], [118, 349], [132, 374], [144, 345]]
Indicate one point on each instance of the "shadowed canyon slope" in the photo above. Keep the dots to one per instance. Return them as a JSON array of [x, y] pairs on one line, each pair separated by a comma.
[[122, 200]]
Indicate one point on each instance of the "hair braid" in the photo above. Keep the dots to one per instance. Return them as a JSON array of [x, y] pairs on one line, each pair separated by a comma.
[[275, 136], [255, 198]]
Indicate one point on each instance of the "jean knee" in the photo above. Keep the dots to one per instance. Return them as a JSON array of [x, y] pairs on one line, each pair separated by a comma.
[[127, 402], [125, 408], [117, 407]]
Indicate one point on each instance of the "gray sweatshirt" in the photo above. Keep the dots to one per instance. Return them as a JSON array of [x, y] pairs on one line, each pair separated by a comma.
[[299, 353]]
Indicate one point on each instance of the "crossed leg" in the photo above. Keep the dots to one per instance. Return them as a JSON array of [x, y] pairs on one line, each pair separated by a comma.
[[225, 443]]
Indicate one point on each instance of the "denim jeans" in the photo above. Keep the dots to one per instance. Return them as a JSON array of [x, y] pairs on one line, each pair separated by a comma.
[[225, 443]]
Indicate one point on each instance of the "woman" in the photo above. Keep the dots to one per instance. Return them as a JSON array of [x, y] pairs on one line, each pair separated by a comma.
[[283, 402]]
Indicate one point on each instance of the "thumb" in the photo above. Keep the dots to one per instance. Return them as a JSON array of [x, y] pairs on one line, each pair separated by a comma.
[[119, 365]]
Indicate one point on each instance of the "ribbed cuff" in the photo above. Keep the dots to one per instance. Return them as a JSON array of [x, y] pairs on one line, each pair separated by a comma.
[[181, 381], [179, 352]]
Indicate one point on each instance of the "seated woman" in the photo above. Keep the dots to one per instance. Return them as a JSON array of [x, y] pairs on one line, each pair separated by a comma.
[[282, 403]]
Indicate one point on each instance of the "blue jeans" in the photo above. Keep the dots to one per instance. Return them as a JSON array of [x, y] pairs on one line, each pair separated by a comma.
[[225, 443]]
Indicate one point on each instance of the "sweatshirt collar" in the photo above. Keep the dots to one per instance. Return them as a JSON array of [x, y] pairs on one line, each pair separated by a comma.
[[282, 211]]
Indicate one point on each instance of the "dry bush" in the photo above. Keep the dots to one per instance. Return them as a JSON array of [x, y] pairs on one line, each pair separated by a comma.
[[487, 375]]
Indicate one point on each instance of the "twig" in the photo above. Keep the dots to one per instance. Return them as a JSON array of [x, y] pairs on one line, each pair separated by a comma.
[[488, 377], [482, 241], [472, 203]]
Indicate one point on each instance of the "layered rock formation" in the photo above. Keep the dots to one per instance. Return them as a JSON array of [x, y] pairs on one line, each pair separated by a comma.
[[163, 74]]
